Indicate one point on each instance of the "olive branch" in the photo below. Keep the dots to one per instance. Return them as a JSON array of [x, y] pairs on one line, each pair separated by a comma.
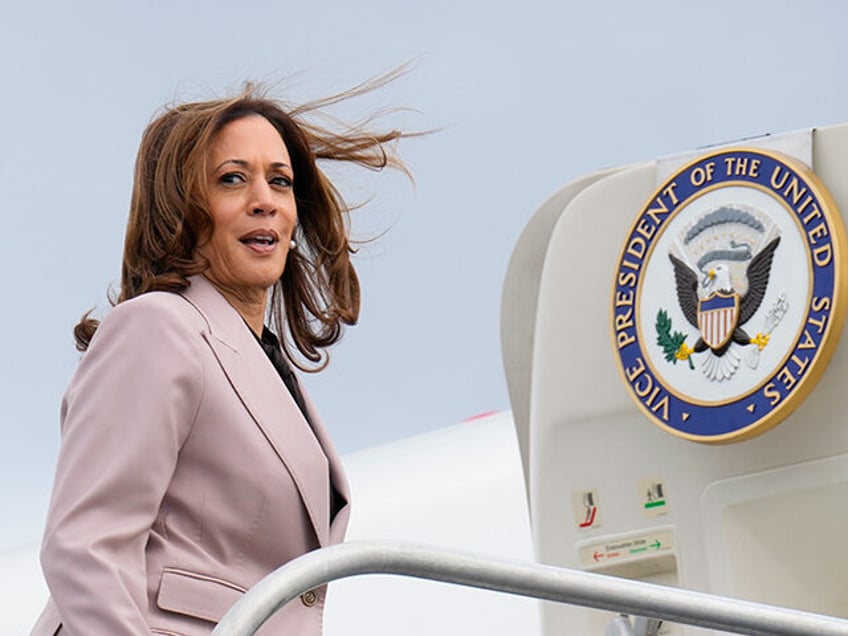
[[670, 342]]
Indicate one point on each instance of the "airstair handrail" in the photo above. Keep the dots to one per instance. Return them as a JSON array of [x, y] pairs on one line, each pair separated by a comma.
[[526, 579]]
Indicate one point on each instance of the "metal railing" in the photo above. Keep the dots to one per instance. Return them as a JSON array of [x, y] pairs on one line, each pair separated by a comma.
[[526, 579]]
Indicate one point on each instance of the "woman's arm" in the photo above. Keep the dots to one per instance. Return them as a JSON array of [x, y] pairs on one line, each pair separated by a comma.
[[127, 412]]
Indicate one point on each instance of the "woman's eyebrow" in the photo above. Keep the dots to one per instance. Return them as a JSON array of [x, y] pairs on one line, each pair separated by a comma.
[[245, 164], [238, 162]]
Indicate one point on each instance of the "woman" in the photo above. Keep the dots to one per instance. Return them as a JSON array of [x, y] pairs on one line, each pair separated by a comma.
[[191, 463]]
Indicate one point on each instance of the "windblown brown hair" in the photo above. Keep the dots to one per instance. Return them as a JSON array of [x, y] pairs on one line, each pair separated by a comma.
[[319, 290]]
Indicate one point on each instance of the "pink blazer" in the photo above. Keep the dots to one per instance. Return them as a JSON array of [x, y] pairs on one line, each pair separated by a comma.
[[186, 473]]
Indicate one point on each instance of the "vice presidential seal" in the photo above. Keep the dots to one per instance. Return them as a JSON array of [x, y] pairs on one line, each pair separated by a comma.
[[729, 295]]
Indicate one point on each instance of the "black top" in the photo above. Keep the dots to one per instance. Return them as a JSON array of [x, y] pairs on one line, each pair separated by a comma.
[[271, 345]]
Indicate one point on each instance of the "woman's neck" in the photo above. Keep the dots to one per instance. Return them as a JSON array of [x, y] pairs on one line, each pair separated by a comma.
[[249, 303]]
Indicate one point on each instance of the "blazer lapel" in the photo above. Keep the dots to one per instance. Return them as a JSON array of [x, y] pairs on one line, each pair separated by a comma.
[[337, 474], [259, 387]]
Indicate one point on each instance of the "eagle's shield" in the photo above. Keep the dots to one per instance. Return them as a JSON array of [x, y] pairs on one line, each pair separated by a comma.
[[717, 316]]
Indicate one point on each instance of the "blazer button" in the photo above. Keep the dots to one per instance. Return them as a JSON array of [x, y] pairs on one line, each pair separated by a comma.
[[309, 598]]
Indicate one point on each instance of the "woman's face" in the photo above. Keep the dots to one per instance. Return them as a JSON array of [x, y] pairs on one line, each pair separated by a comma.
[[251, 201]]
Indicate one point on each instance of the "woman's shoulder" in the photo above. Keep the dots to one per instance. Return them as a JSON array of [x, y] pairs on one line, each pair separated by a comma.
[[153, 315], [164, 305]]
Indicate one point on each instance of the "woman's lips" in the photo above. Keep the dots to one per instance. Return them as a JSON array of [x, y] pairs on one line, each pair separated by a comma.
[[262, 241]]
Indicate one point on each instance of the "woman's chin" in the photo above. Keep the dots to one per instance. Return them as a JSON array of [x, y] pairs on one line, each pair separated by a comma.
[[246, 285]]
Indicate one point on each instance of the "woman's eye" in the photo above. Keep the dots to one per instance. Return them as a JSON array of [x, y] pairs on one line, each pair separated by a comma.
[[282, 181], [232, 178]]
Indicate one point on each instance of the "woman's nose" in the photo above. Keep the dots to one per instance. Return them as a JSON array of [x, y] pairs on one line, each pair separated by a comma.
[[262, 201]]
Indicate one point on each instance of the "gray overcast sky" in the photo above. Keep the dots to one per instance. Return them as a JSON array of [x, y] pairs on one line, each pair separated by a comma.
[[527, 95]]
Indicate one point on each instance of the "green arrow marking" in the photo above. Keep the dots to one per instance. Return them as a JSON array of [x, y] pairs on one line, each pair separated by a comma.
[[656, 545], [655, 504]]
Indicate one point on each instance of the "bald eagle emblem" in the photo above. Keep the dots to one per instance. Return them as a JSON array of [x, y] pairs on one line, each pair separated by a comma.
[[729, 292], [724, 289]]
